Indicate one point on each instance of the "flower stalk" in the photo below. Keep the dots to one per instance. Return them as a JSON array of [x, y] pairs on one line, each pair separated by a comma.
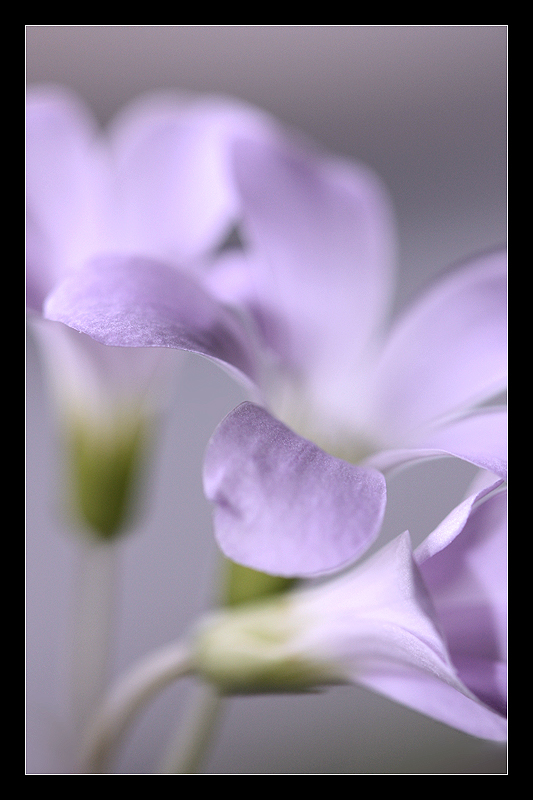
[[93, 627], [140, 685]]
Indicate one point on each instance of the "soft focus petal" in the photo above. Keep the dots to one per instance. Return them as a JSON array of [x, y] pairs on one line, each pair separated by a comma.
[[378, 623], [135, 302], [65, 180], [173, 180], [40, 274], [157, 183], [448, 353], [479, 438], [464, 565], [230, 279], [282, 505], [320, 240]]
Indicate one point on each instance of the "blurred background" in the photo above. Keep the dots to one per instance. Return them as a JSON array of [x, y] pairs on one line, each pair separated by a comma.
[[425, 106]]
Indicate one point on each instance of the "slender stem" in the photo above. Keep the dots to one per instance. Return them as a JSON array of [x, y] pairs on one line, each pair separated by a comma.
[[93, 624], [189, 746], [190, 742], [130, 694]]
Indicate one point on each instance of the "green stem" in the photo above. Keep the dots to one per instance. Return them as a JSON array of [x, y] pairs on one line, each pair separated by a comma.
[[93, 628], [188, 748]]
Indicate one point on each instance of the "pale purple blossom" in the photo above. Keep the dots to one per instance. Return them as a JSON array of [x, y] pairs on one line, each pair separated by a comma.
[[151, 194], [318, 275], [298, 312], [426, 629]]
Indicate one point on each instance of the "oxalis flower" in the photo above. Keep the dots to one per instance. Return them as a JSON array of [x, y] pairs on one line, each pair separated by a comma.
[[150, 195], [424, 628], [299, 312]]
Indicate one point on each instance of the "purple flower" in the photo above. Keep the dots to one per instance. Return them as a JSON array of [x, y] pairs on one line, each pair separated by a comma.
[[319, 273], [150, 198], [298, 312], [426, 629], [316, 276]]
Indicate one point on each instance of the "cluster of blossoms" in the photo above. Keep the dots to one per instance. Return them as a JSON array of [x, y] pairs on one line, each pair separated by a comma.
[[205, 226]]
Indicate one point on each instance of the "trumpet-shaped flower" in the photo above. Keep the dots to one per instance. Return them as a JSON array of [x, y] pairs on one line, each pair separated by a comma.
[[309, 292], [426, 629], [152, 195]]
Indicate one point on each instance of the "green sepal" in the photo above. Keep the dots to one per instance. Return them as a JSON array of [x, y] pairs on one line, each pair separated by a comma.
[[104, 472], [245, 585]]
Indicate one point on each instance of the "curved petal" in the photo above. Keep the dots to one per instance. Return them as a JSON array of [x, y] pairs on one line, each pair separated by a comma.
[[282, 505], [321, 245], [174, 182], [135, 302], [377, 623], [428, 687], [390, 461], [447, 354], [479, 438], [464, 565]]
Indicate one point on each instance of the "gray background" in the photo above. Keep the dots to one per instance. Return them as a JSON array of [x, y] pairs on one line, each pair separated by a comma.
[[426, 107]]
